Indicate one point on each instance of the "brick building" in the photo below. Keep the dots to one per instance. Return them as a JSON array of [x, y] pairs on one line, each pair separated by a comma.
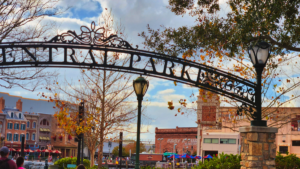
[[184, 137], [15, 128], [2, 119], [62, 141], [32, 132]]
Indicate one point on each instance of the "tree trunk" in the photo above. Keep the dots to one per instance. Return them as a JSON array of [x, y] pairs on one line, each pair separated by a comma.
[[92, 154], [100, 154], [102, 137]]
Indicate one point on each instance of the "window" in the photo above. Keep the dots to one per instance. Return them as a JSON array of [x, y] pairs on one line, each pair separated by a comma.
[[12, 115], [9, 135], [21, 135], [283, 149], [227, 141], [296, 143], [20, 115], [33, 136], [27, 136], [28, 124], [16, 137], [23, 126], [16, 127], [9, 125], [44, 122], [211, 140], [34, 125]]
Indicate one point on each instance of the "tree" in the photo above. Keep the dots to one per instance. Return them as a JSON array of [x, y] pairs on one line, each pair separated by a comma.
[[219, 40], [105, 93], [115, 152], [132, 147], [21, 20]]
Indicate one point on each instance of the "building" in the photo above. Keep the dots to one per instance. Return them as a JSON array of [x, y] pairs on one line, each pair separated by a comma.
[[15, 128], [31, 134], [36, 116], [217, 124], [62, 141], [217, 142], [44, 130], [184, 138]]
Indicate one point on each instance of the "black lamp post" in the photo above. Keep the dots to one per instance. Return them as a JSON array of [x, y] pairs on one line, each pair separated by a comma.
[[140, 86], [259, 55]]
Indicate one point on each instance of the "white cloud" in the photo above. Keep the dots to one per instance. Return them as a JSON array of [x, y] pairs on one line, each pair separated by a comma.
[[168, 91]]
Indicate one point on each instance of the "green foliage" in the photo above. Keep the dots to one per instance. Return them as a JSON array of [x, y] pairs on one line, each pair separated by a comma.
[[115, 152], [288, 162], [96, 167], [246, 22], [64, 161], [223, 161]]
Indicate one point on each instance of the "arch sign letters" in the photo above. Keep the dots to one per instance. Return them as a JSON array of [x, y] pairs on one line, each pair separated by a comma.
[[72, 50]]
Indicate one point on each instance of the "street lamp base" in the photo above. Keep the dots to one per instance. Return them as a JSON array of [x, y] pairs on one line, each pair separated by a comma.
[[259, 123]]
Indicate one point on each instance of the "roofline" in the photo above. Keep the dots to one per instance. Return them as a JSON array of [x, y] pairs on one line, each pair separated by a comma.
[[23, 97]]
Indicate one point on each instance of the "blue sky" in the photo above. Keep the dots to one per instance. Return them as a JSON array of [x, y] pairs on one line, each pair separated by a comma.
[[134, 15]]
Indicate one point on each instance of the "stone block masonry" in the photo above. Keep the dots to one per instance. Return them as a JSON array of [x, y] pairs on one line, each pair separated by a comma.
[[258, 149]]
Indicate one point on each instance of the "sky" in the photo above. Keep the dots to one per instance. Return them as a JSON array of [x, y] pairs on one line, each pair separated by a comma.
[[134, 15]]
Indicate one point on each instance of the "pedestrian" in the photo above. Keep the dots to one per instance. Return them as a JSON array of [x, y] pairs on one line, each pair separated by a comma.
[[81, 166], [4, 161], [50, 158], [20, 162]]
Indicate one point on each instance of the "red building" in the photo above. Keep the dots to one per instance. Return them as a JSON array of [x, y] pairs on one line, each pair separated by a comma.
[[185, 139], [31, 134]]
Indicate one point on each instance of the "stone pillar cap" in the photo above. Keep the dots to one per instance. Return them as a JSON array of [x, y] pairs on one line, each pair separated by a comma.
[[258, 129]]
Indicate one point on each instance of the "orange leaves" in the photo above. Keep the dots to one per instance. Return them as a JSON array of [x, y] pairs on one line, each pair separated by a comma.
[[188, 54], [202, 57], [183, 102], [175, 83], [170, 105], [288, 81]]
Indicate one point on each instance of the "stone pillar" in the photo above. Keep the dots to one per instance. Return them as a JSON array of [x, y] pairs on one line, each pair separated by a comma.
[[258, 149]]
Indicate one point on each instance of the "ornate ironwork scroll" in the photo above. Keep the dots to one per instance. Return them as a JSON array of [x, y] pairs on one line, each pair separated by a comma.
[[24, 54], [91, 36]]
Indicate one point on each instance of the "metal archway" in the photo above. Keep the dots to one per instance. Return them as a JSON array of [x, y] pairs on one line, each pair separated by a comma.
[[40, 54]]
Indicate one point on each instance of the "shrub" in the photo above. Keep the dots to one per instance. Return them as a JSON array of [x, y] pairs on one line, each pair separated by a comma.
[[64, 161], [223, 161], [288, 162]]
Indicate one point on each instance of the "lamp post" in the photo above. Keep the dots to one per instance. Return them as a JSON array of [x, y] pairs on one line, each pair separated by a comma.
[[160, 139], [174, 157], [140, 86], [259, 55], [109, 146]]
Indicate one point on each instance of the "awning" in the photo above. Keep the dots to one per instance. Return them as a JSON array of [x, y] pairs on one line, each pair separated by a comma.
[[41, 138], [43, 129], [169, 153]]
